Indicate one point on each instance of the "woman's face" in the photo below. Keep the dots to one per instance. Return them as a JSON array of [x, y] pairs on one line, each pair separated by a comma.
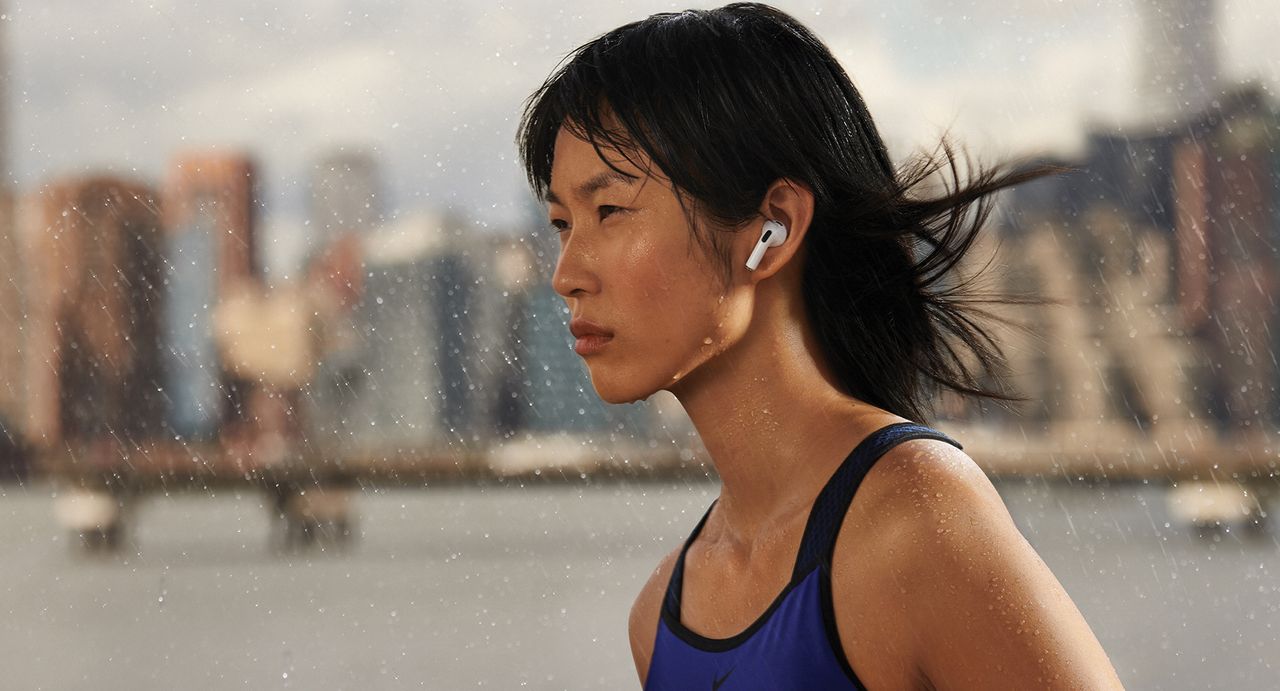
[[629, 264]]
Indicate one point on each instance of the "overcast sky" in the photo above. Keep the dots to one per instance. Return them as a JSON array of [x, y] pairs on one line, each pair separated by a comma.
[[434, 89]]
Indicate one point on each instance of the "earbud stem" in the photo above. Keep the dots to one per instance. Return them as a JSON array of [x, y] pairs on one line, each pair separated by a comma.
[[756, 255]]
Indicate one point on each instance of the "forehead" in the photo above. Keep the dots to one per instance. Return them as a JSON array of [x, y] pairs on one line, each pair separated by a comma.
[[579, 170]]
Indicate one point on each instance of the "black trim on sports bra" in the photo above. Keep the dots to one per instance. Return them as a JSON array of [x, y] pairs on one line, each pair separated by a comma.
[[816, 546]]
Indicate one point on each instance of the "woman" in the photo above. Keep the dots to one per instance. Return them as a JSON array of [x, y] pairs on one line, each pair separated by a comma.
[[732, 230]]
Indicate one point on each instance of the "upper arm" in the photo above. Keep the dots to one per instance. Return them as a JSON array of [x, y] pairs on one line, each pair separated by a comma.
[[642, 624], [984, 609]]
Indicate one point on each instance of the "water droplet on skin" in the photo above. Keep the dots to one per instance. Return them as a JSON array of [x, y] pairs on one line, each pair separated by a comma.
[[706, 341]]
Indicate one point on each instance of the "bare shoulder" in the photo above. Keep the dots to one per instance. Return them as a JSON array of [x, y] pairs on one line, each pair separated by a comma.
[[920, 494], [976, 606], [923, 483], [642, 624]]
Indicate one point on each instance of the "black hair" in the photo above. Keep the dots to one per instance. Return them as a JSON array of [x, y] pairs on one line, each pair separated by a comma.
[[727, 101]]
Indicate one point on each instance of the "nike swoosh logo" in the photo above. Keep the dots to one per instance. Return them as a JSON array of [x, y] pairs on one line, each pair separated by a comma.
[[716, 684]]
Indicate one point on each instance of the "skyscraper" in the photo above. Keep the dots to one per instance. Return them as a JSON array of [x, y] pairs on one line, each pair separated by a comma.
[[407, 382], [210, 221], [1179, 58], [12, 331], [94, 322], [1227, 202], [345, 195]]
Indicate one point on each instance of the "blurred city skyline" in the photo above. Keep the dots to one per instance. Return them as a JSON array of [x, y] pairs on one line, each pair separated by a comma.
[[284, 260], [409, 84], [404, 324]]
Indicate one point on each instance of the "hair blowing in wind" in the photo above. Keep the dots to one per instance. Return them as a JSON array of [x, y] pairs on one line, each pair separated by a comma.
[[724, 102]]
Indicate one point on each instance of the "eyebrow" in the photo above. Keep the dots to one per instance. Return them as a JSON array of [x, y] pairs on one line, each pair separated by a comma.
[[595, 184]]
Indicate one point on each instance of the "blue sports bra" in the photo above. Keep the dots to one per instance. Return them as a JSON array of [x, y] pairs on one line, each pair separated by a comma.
[[794, 643]]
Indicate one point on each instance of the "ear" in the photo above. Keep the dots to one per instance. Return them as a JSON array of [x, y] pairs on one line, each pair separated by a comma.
[[790, 203]]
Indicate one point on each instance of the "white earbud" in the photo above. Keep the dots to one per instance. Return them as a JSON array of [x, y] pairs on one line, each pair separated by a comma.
[[771, 235]]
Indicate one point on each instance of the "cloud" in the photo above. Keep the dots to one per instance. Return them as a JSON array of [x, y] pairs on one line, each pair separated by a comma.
[[349, 92], [435, 90]]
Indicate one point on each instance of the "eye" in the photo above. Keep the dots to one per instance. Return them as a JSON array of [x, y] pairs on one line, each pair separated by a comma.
[[558, 225], [607, 211]]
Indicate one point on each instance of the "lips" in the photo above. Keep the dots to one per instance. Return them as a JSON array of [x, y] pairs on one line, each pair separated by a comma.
[[592, 338], [582, 328]]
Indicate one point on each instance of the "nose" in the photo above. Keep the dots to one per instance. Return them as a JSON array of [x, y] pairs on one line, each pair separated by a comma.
[[575, 273]]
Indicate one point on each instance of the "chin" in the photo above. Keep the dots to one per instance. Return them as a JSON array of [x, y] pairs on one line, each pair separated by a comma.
[[619, 390]]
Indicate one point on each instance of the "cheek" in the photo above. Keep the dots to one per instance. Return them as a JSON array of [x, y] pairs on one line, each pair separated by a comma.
[[646, 271], [665, 293], [658, 258]]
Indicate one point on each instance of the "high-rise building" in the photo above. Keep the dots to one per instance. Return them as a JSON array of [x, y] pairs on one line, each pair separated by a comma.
[[1179, 58], [210, 221], [400, 382], [12, 309], [93, 329], [345, 195], [12, 302], [1162, 246], [511, 267], [1227, 192]]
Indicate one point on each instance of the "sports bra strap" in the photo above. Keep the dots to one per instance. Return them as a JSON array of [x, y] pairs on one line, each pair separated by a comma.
[[675, 585], [829, 509]]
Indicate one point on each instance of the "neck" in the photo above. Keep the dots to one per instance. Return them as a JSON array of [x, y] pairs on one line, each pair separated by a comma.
[[773, 418]]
